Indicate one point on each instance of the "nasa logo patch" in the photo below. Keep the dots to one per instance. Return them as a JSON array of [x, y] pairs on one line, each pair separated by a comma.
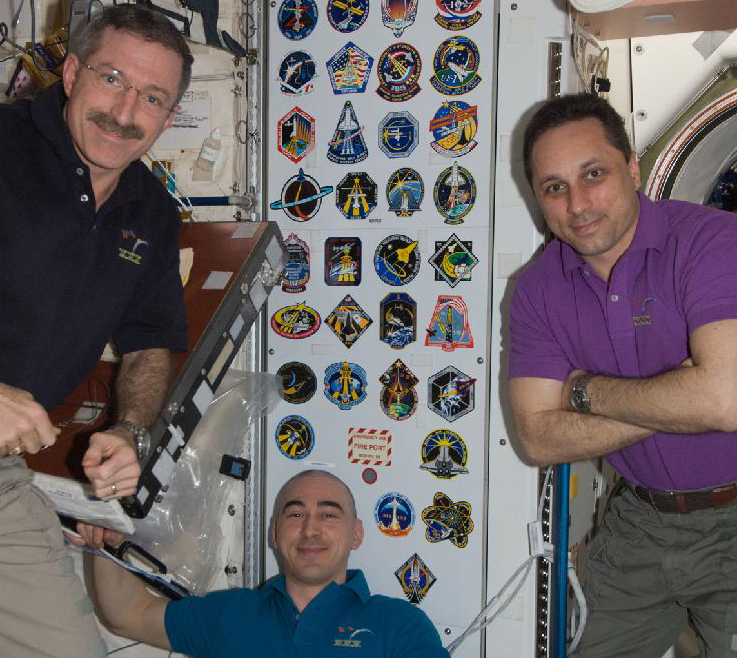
[[298, 382], [296, 272], [295, 321], [399, 70], [398, 134], [457, 14], [301, 197], [449, 327], [394, 514], [345, 384], [397, 260], [398, 15], [295, 437], [297, 73], [343, 261], [451, 393], [398, 398], [347, 15], [456, 65], [295, 134], [404, 192], [454, 129], [448, 520], [453, 260], [349, 69], [348, 321], [444, 454], [348, 145], [454, 193], [355, 195], [297, 18], [398, 325], [415, 578]]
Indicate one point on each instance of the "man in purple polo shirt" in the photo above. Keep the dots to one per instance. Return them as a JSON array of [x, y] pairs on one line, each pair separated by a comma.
[[624, 345]]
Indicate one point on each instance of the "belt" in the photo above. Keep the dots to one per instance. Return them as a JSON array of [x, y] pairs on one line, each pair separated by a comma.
[[684, 502]]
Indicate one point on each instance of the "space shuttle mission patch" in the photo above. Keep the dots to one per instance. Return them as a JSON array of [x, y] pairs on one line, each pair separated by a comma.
[[342, 261], [399, 69], [345, 384], [448, 520], [295, 321], [454, 129], [297, 18], [295, 134], [347, 15], [449, 326], [394, 514], [349, 69], [298, 382], [404, 192], [454, 193], [398, 398], [453, 260], [451, 393], [348, 144], [415, 578], [457, 14], [398, 15], [397, 260], [348, 321], [398, 321], [297, 73], [296, 272], [356, 194], [295, 437], [444, 454], [398, 134], [456, 65]]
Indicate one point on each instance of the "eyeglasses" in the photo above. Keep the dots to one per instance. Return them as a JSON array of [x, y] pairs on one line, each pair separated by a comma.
[[112, 81]]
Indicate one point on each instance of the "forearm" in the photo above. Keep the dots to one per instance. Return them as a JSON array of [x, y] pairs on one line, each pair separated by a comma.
[[141, 385]]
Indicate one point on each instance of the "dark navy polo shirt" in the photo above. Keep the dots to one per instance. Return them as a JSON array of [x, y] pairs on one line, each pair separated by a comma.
[[343, 621], [679, 273], [72, 278]]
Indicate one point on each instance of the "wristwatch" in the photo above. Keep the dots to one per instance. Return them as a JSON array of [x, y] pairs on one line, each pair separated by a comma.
[[579, 398], [143, 438]]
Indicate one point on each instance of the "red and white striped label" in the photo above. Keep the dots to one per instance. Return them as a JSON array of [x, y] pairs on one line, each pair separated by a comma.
[[369, 447]]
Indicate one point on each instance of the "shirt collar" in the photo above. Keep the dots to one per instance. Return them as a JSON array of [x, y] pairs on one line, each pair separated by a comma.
[[651, 232], [355, 582]]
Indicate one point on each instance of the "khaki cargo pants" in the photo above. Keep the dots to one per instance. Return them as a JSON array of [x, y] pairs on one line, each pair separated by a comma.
[[44, 611], [649, 574]]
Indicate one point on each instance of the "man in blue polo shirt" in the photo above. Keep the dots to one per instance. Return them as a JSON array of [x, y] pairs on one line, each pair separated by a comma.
[[316, 607], [88, 251], [624, 344]]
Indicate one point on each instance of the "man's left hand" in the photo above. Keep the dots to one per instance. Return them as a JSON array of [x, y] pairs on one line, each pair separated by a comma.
[[111, 464], [565, 402]]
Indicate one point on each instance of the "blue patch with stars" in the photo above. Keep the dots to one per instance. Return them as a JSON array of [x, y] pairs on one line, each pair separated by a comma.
[[347, 15], [297, 18], [345, 384], [349, 69], [398, 134]]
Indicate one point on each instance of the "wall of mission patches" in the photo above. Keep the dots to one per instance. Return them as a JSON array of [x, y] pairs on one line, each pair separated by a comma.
[[378, 160]]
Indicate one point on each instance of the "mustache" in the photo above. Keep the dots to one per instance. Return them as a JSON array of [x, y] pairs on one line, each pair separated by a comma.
[[110, 125]]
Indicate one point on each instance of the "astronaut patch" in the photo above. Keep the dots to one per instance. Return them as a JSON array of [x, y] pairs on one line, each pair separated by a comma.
[[348, 321], [398, 134], [295, 134], [398, 15], [355, 195], [295, 437], [450, 393], [399, 69], [415, 578], [297, 73], [295, 321], [444, 454], [348, 145], [454, 129], [297, 18], [394, 514], [454, 193], [296, 271], [298, 382], [343, 261], [446, 520], [345, 384], [456, 65], [347, 15], [449, 326], [398, 320], [397, 260], [349, 69], [453, 260], [457, 14], [301, 197]]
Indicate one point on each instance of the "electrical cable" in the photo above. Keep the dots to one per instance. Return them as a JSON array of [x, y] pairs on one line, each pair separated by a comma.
[[127, 646]]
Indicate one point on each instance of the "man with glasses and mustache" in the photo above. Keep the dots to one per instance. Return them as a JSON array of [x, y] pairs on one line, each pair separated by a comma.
[[88, 251]]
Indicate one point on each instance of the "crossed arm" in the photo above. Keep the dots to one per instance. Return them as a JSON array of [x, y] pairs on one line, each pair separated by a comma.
[[697, 397]]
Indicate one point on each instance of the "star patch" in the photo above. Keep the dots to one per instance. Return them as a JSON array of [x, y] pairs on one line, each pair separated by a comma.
[[404, 192], [398, 134], [343, 261], [454, 193], [295, 134], [348, 321], [454, 128], [448, 520], [347, 15], [415, 578], [295, 437], [297, 73], [398, 15], [456, 65], [345, 384], [369, 446], [453, 260], [349, 69], [397, 260], [449, 327], [348, 145], [298, 382], [301, 197], [450, 393], [296, 272], [457, 14], [444, 454], [297, 18], [399, 70], [356, 195], [394, 514], [295, 321], [398, 398], [398, 324]]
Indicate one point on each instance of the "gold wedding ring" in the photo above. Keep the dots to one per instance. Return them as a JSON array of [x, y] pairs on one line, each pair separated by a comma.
[[17, 451], [114, 489]]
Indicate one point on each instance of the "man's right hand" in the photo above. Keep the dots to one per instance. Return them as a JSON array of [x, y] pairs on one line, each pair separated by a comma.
[[24, 424]]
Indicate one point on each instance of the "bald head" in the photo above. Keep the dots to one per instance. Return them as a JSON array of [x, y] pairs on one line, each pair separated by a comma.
[[283, 496]]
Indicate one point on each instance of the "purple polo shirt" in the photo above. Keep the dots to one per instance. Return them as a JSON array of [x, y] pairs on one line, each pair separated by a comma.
[[679, 273]]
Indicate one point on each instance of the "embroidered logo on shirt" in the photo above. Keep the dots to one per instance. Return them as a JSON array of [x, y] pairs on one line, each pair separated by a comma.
[[132, 246], [642, 319], [347, 637]]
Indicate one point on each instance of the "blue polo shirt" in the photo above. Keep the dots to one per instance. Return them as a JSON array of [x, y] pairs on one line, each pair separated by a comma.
[[343, 621], [72, 277], [679, 273]]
